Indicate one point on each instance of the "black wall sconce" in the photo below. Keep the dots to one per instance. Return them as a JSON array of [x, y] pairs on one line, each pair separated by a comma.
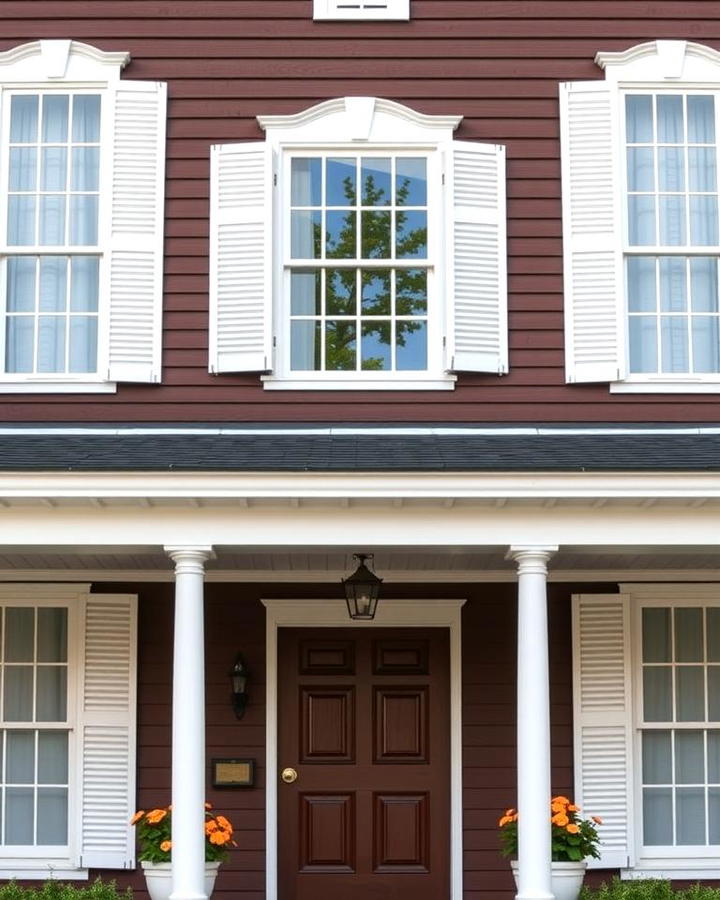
[[240, 679], [362, 590]]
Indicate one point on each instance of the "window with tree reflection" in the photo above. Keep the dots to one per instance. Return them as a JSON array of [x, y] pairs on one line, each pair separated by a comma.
[[359, 268]]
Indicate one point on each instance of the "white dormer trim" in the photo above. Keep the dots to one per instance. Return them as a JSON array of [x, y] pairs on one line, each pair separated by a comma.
[[40, 61], [358, 119], [361, 10], [661, 61]]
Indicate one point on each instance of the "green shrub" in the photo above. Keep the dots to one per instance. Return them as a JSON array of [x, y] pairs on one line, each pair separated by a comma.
[[653, 889], [61, 890]]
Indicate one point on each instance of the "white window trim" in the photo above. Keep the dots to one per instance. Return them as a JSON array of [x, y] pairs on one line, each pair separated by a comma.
[[356, 125], [675, 862], [398, 10]]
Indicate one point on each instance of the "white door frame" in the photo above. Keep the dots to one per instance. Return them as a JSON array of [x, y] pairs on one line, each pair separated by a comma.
[[406, 613]]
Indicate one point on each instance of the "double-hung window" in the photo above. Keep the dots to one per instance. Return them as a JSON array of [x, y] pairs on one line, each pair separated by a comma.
[[358, 247], [361, 10], [641, 227], [81, 206]]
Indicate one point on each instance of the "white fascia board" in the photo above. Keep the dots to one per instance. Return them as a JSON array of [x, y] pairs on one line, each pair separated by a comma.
[[336, 485]]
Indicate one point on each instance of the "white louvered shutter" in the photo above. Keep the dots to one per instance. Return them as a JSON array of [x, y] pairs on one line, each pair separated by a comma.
[[476, 331], [135, 265], [107, 728], [241, 258], [603, 721], [594, 315]]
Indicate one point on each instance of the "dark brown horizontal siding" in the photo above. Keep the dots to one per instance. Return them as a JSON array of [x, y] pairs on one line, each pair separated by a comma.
[[496, 63]]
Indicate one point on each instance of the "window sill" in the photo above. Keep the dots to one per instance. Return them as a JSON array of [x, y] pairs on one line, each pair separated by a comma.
[[682, 870], [276, 383], [43, 872], [665, 387], [37, 386]]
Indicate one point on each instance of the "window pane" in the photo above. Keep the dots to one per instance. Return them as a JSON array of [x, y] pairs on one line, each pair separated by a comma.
[[703, 221], [713, 634], [306, 182], [341, 234], [657, 694], [704, 284], [305, 338], [656, 634], [84, 283], [690, 694], [713, 676], [671, 169], [411, 292], [657, 816], [690, 810], [656, 757], [52, 757], [21, 220], [85, 169], [411, 341], [19, 819], [714, 815], [305, 292], [639, 119], [702, 171], [83, 344], [641, 220], [51, 344], [340, 187], [671, 129], [341, 292], [375, 345], [53, 283], [52, 816], [51, 694], [641, 284], [706, 344], [19, 344], [86, 118], [55, 118], [673, 284], [674, 344], [713, 738], [643, 344], [21, 283], [20, 757], [19, 634], [52, 220], [23, 169], [701, 119], [23, 119], [672, 220], [411, 235], [53, 172], [690, 757], [375, 235], [340, 346], [376, 292], [641, 169], [376, 179], [84, 220], [688, 634], [18, 693], [52, 634], [411, 181], [305, 231]]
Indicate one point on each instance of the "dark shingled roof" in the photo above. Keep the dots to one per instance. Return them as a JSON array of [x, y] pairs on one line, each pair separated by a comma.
[[299, 450]]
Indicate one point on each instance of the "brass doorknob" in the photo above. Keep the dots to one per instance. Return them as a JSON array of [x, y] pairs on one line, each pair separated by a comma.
[[288, 775]]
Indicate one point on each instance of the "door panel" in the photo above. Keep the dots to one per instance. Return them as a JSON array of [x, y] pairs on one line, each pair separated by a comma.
[[364, 720]]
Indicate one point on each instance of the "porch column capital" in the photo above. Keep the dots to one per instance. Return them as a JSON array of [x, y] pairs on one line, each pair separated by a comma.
[[191, 559], [531, 559]]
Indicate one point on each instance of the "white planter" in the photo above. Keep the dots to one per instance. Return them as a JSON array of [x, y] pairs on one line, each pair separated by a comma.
[[158, 878], [567, 878]]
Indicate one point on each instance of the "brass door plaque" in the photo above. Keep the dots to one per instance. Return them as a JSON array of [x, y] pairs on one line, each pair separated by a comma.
[[233, 772]]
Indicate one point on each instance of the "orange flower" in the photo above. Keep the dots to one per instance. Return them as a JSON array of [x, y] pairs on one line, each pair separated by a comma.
[[210, 826], [504, 821], [572, 828], [223, 823], [597, 820], [219, 838], [136, 818], [156, 815], [560, 819], [509, 812], [573, 808], [165, 846], [560, 799], [208, 805]]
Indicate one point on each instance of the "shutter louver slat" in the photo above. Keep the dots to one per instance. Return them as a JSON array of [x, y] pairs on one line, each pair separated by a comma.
[[240, 289], [136, 242], [593, 308], [602, 720], [107, 727], [477, 269]]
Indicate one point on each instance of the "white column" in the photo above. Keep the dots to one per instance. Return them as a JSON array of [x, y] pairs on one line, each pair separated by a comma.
[[188, 725], [533, 725]]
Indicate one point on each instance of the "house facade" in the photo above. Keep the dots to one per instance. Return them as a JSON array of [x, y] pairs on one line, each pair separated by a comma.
[[430, 280]]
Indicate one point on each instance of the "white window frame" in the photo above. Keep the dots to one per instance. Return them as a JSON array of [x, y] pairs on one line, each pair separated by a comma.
[[361, 10]]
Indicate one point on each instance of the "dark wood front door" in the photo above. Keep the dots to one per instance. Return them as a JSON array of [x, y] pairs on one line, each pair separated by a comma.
[[364, 722]]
